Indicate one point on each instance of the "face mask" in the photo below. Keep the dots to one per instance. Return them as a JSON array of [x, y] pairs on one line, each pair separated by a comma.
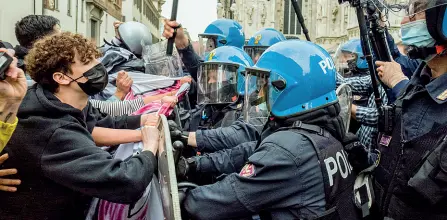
[[416, 34], [97, 80]]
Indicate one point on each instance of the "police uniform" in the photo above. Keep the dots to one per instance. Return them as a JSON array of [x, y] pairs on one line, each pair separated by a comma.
[[225, 137], [213, 116], [420, 123], [299, 172]]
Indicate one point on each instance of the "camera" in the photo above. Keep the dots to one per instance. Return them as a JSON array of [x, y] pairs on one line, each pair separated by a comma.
[[5, 61]]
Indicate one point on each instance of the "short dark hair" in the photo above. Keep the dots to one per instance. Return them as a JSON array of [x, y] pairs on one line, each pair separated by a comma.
[[34, 27], [56, 53]]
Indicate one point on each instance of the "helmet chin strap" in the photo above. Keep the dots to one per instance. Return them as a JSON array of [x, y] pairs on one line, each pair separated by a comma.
[[424, 52]]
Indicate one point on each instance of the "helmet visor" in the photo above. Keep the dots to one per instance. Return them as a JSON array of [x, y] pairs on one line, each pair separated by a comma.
[[217, 83], [207, 43], [345, 62], [255, 52], [255, 106]]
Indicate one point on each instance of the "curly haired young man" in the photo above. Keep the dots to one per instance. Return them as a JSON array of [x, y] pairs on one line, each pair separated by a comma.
[[59, 164]]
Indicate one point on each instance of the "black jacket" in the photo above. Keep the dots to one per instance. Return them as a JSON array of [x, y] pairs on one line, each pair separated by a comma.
[[60, 166]]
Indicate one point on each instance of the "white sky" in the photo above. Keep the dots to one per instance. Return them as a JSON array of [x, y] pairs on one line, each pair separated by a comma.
[[194, 15]]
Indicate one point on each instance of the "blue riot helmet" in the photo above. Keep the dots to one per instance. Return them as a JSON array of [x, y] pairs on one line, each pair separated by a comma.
[[261, 40], [300, 76], [221, 32], [220, 77], [134, 36], [349, 58]]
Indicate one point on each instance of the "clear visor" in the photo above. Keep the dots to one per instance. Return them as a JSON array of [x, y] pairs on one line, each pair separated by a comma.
[[217, 83], [343, 60], [413, 8], [256, 110], [255, 52], [206, 45]]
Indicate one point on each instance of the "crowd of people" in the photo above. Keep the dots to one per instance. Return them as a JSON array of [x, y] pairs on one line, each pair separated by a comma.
[[261, 126]]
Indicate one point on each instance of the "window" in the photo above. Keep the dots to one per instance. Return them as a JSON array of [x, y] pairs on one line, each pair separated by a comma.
[[291, 23], [107, 22], [82, 10], [69, 7], [93, 30], [138, 4]]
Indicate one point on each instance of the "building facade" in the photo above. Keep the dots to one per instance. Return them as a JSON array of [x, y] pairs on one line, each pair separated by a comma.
[[147, 12], [91, 18], [329, 23]]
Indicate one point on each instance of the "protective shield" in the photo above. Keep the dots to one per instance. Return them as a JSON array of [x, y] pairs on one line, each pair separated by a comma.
[[256, 112], [344, 94], [157, 63], [255, 52], [166, 174], [207, 43], [345, 62], [217, 83], [135, 35]]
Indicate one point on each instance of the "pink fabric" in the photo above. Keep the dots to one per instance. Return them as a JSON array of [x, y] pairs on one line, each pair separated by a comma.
[[109, 210], [155, 105]]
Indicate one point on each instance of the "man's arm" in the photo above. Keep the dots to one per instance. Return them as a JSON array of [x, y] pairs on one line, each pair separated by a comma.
[[224, 138], [104, 120], [12, 91], [360, 84], [189, 58], [225, 161], [254, 189], [118, 108], [72, 159], [112, 137]]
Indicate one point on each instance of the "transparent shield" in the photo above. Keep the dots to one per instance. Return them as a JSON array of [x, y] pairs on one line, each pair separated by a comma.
[[344, 94], [157, 63], [217, 83], [206, 45], [256, 112], [166, 173], [344, 62], [255, 52]]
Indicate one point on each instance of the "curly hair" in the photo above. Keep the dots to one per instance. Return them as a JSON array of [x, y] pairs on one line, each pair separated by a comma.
[[56, 53]]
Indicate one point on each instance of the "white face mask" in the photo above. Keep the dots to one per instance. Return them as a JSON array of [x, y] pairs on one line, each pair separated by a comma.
[[416, 34]]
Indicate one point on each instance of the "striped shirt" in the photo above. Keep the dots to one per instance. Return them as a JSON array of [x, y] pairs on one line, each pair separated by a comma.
[[367, 116], [119, 108]]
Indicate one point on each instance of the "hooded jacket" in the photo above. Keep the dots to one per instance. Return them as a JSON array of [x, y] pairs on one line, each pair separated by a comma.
[[59, 164]]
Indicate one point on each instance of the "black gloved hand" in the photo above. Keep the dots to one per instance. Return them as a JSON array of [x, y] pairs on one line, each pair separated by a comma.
[[177, 134], [358, 154], [185, 166]]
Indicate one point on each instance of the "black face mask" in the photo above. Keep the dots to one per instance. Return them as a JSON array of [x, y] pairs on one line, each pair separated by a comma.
[[97, 80]]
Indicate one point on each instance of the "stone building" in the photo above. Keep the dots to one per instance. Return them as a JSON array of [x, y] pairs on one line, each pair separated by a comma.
[[329, 23]]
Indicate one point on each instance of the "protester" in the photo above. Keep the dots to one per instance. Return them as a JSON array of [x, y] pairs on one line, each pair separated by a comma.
[[12, 91], [59, 164]]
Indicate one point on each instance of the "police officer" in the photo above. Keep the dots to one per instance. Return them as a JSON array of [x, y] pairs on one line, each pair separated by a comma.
[[408, 183], [299, 168], [261, 40], [219, 86], [221, 32], [243, 130]]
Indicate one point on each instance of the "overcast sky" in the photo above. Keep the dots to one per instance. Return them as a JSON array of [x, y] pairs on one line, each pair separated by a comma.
[[194, 15]]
